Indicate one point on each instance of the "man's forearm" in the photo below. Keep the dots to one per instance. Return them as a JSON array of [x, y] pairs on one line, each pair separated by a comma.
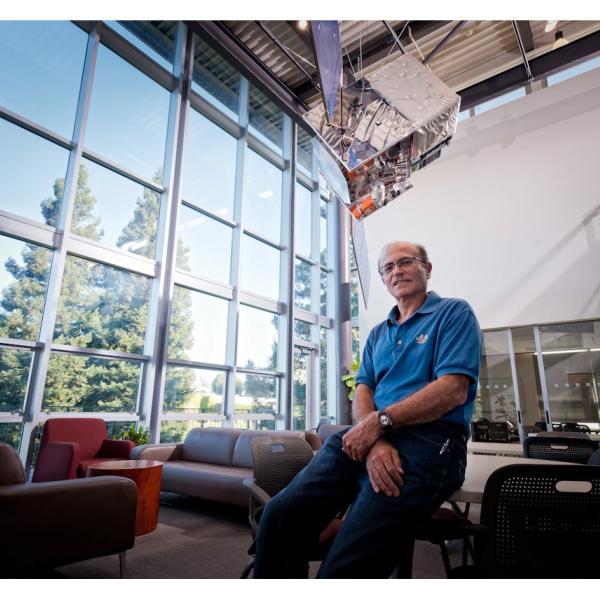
[[430, 402], [363, 403]]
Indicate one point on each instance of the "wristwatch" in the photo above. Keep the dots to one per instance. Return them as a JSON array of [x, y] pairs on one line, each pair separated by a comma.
[[385, 420]]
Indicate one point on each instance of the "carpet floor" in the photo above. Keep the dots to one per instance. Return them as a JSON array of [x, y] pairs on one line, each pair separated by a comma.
[[203, 540]]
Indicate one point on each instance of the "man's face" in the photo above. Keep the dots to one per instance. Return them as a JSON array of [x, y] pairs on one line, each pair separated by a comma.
[[407, 281]]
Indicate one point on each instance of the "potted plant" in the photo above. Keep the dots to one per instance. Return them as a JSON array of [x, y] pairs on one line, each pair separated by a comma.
[[138, 436], [350, 379]]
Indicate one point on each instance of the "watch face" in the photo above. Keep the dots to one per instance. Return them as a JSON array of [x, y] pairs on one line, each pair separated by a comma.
[[385, 420]]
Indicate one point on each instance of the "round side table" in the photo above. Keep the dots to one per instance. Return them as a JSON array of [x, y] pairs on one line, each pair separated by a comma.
[[147, 475]]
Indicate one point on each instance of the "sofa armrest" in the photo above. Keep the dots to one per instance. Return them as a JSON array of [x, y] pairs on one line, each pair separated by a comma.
[[55, 523], [115, 449], [57, 461], [162, 452]]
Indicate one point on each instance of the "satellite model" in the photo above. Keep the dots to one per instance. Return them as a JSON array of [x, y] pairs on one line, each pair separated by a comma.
[[383, 128]]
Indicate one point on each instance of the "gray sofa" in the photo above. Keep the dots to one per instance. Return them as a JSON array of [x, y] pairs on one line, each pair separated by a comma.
[[211, 463]]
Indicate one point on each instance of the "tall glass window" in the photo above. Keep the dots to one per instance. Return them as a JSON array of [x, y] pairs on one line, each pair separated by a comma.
[[128, 116], [257, 339], [33, 174], [210, 159], [265, 119], [41, 64]]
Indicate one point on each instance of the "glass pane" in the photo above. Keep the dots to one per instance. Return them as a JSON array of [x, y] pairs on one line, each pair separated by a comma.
[[10, 433], [356, 344], [323, 406], [354, 288], [91, 384], [323, 233], [115, 211], [499, 100], [299, 390], [24, 271], [116, 428], [194, 390], [198, 328], [175, 431], [204, 245], [41, 63], [305, 151], [257, 339], [262, 197], [14, 373], [495, 399], [302, 284], [215, 79], [154, 38], [303, 221], [128, 116], [255, 394], [32, 171], [265, 119], [530, 391], [571, 354], [258, 425], [259, 268], [302, 330], [323, 300], [102, 307], [209, 170]]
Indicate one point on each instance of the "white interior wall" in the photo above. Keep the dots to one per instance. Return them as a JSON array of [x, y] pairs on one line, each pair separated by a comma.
[[510, 214]]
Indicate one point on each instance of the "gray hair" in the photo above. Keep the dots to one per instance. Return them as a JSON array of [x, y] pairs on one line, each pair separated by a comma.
[[420, 248]]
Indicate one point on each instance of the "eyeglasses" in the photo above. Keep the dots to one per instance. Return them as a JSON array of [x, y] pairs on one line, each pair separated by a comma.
[[405, 261]]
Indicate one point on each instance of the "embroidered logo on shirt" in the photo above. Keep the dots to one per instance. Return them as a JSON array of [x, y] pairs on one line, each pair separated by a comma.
[[421, 339]]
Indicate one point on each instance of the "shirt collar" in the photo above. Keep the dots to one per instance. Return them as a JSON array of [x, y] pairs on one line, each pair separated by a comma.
[[427, 307]]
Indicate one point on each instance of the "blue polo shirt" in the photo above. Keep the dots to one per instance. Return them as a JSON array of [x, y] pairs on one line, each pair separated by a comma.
[[441, 338]]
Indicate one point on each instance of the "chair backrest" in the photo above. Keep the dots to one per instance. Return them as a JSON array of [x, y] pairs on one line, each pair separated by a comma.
[[11, 469], [567, 449], [324, 430], [575, 427], [277, 460], [88, 433], [543, 521]]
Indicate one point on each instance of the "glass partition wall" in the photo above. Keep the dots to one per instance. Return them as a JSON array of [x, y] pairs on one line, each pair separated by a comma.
[[542, 376], [162, 256]]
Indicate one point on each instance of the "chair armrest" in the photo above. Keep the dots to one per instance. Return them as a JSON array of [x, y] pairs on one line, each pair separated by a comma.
[[58, 522], [57, 461], [162, 452], [115, 449], [257, 492]]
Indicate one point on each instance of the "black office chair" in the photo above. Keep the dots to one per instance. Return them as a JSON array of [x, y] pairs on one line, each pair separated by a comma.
[[575, 427], [277, 460], [562, 448], [594, 458], [540, 521]]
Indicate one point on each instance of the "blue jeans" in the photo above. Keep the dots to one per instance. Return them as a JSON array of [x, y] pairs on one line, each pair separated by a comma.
[[371, 539]]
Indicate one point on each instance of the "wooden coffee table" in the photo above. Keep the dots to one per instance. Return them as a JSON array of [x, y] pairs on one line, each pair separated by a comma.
[[147, 475]]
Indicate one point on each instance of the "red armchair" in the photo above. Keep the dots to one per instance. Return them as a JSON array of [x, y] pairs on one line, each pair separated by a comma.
[[70, 445]]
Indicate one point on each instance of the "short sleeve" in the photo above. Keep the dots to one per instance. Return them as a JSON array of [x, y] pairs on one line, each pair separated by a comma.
[[366, 372], [459, 345]]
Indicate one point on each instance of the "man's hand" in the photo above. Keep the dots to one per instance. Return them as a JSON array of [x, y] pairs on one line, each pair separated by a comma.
[[385, 469], [359, 440]]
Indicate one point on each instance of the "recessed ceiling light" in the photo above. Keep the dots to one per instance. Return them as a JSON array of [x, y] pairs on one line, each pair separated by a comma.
[[303, 25], [550, 26]]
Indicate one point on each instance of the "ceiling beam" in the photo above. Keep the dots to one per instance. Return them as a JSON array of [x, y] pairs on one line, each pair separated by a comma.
[[520, 43], [444, 41], [541, 66], [524, 29]]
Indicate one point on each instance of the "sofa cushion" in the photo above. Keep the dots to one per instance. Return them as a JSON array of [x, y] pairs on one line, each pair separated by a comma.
[[242, 455], [208, 481], [210, 445]]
